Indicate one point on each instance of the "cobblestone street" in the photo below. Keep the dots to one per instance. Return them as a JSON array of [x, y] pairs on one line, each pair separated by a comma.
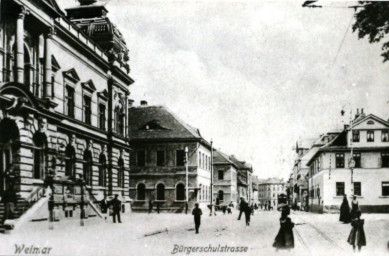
[[159, 234]]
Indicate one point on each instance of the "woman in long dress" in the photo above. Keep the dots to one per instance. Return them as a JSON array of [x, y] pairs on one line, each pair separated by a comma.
[[345, 211], [354, 207], [357, 236], [284, 238]]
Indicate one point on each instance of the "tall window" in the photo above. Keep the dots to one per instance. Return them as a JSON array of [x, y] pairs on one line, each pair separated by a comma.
[[70, 154], [102, 117], [355, 136], [88, 160], [385, 188], [385, 159], [221, 195], [220, 174], [160, 192], [69, 101], [121, 173], [141, 192], [102, 170], [160, 158], [180, 192], [40, 142], [119, 120], [339, 161], [140, 158], [339, 188], [370, 136], [385, 136], [180, 157], [357, 159], [357, 188], [87, 109]]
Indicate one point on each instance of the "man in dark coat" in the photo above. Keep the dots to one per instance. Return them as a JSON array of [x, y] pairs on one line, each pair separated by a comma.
[[116, 208], [197, 217], [242, 207], [10, 201], [104, 204]]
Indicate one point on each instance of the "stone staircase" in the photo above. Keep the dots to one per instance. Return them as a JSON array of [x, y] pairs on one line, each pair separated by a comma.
[[23, 204]]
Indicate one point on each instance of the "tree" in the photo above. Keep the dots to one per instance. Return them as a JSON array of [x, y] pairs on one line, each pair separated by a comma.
[[372, 21]]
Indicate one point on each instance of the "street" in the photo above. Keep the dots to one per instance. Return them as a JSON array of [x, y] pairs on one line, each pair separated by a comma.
[[167, 234]]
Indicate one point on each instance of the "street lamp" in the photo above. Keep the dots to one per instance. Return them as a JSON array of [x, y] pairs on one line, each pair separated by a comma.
[[351, 163], [187, 181], [211, 176]]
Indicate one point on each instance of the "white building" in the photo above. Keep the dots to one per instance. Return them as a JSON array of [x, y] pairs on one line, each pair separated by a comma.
[[330, 174]]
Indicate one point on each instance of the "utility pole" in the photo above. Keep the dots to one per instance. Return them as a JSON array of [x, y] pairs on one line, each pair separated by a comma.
[[211, 177]]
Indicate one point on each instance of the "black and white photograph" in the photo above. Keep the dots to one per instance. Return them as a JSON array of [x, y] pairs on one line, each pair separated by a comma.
[[194, 127]]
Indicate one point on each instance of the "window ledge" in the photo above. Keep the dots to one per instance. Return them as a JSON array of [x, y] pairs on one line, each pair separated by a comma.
[[160, 201], [179, 201], [140, 201], [383, 197]]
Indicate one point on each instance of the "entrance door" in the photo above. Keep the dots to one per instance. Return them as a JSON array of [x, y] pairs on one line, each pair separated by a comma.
[[5, 163]]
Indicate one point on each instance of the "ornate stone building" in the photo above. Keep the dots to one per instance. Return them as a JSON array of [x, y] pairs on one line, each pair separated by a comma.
[[64, 97]]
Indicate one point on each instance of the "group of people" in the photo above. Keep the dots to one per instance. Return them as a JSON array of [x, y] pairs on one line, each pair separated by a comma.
[[245, 208], [357, 236], [115, 204]]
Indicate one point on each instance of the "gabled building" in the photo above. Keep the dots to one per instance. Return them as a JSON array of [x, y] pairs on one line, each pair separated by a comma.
[[64, 97], [225, 186], [332, 173], [159, 140]]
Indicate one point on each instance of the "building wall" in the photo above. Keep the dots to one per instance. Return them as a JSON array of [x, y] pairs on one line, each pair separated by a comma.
[[228, 185]]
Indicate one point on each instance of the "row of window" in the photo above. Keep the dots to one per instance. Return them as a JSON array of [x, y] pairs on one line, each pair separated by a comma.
[[340, 188], [204, 161], [160, 191], [340, 159], [140, 158], [87, 111], [272, 188], [370, 136]]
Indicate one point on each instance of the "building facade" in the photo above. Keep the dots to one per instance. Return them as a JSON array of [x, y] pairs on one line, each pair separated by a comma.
[[225, 183], [162, 142], [269, 190], [332, 176], [63, 101]]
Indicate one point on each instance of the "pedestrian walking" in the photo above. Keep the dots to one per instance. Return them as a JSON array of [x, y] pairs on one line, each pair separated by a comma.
[[247, 214], [252, 209], [357, 236], [104, 205], [242, 207], [158, 207], [284, 238], [116, 208], [10, 203], [150, 206], [345, 211], [354, 207], [197, 217]]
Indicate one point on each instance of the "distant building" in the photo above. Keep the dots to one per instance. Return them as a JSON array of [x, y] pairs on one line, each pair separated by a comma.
[[158, 161], [245, 171], [225, 186], [330, 174], [269, 189]]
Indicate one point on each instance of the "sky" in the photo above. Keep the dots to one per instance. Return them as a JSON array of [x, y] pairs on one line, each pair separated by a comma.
[[253, 76]]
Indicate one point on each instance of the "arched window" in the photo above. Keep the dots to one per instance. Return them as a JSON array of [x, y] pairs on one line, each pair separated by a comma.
[[221, 195], [121, 173], [70, 158], [180, 192], [141, 192], [88, 171], [102, 169], [160, 192], [40, 146]]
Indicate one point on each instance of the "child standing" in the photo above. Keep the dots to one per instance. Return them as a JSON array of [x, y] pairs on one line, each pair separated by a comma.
[[357, 235]]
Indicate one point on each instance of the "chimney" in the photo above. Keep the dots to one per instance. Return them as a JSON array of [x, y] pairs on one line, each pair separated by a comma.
[[357, 114], [362, 113], [143, 103]]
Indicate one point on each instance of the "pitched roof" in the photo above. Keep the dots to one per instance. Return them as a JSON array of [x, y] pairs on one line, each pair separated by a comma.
[[221, 158], [242, 165], [272, 181], [158, 122]]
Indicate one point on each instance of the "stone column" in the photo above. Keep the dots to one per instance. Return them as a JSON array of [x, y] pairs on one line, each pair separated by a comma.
[[20, 45], [48, 64]]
